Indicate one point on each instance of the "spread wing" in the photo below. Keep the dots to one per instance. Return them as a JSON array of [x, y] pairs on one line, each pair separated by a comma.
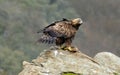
[[60, 29]]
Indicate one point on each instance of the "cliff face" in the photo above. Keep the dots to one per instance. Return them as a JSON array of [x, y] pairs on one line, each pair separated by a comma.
[[58, 62]]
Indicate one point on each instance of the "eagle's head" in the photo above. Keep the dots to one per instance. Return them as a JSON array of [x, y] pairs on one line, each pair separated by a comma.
[[76, 22]]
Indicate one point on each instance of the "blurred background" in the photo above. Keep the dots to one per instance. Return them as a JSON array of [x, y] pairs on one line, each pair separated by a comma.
[[21, 19]]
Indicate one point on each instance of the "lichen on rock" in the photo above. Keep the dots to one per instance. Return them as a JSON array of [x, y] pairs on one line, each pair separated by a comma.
[[70, 73]]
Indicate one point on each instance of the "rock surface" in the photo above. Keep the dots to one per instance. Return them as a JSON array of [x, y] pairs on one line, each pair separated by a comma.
[[109, 61], [55, 62]]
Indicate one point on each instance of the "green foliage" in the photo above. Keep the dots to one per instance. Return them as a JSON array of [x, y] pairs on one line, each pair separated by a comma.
[[11, 60], [116, 73], [2, 28]]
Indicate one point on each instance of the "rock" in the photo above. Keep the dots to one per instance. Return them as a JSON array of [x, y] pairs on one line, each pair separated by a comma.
[[109, 60], [57, 62]]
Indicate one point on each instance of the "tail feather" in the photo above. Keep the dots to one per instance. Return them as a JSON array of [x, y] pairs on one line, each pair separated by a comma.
[[47, 39]]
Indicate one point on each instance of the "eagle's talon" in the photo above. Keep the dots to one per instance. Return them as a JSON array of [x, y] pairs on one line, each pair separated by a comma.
[[63, 47], [69, 48]]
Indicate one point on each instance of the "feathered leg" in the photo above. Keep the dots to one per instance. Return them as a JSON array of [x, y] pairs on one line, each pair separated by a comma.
[[68, 46], [59, 42]]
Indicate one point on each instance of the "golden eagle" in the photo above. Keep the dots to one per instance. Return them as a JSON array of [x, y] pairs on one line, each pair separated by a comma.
[[61, 32]]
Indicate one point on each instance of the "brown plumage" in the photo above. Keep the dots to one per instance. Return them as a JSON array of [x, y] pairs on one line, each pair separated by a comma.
[[60, 32]]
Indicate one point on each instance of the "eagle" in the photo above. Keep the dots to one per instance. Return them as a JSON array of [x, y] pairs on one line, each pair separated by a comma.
[[61, 32]]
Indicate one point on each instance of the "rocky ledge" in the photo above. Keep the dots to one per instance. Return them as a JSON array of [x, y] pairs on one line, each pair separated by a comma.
[[60, 62]]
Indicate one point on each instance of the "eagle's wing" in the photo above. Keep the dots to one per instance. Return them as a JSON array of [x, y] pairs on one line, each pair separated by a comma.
[[60, 29]]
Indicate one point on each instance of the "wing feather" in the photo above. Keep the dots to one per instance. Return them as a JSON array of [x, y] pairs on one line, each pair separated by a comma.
[[60, 29]]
